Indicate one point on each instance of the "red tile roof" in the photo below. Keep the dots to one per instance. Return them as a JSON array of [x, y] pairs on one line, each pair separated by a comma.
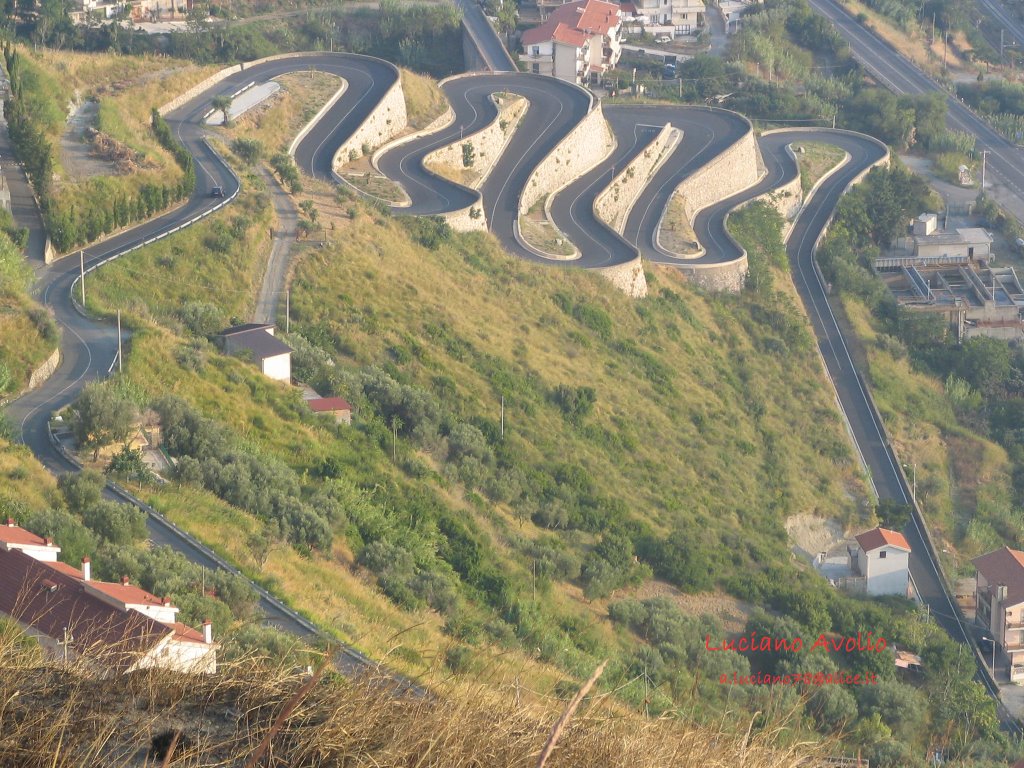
[[128, 594], [13, 534], [52, 601], [327, 404], [1004, 566], [881, 537], [573, 23]]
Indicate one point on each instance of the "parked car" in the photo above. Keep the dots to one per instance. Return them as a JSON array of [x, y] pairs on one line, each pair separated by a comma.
[[663, 39], [217, 192]]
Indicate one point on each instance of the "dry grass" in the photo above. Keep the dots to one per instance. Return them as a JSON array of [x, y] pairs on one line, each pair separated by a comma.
[[913, 44], [62, 716], [23, 480], [540, 232], [424, 100], [676, 234]]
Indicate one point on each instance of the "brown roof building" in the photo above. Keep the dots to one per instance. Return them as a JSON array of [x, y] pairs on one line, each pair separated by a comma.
[[999, 596], [117, 626], [337, 407]]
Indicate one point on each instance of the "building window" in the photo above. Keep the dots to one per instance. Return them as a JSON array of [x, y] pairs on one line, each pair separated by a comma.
[[536, 69], [881, 555], [536, 50]]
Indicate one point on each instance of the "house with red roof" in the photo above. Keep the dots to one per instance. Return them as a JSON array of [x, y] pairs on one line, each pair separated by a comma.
[[882, 558], [999, 595], [117, 626], [578, 42], [337, 407]]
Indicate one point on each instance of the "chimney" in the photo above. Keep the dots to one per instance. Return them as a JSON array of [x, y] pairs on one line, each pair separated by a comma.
[[124, 581], [48, 541], [86, 569], [1001, 593], [165, 601], [207, 631], [10, 522]]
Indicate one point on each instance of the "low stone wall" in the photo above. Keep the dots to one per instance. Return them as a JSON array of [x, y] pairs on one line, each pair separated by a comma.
[[470, 219], [719, 277], [44, 371], [732, 171], [387, 120], [586, 145], [628, 278], [614, 204], [488, 143]]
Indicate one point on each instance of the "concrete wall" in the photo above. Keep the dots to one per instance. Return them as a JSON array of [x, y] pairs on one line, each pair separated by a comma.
[[44, 371], [732, 171], [464, 221], [585, 146], [628, 277], [387, 120], [278, 367], [886, 575], [718, 277], [488, 143], [614, 204]]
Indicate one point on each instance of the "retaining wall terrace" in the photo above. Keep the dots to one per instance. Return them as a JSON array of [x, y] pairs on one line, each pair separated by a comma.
[[719, 277], [488, 143], [387, 120], [732, 171], [44, 371], [614, 204], [584, 147], [628, 277]]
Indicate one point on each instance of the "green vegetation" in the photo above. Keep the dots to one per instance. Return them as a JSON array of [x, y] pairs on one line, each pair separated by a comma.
[[152, 170], [815, 161], [1002, 103], [27, 332]]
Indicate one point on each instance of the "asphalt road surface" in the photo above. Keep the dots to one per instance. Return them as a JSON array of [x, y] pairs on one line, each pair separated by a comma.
[[89, 347]]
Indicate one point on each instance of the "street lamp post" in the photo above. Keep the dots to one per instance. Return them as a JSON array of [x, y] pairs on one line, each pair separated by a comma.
[[913, 468], [991, 640]]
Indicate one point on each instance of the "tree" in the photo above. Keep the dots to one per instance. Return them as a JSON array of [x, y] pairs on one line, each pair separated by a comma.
[[250, 150], [102, 415], [223, 105]]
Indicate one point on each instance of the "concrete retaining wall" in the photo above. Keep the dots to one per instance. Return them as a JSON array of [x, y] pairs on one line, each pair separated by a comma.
[[586, 145], [614, 204], [628, 277], [488, 143], [463, 221], [719, 277], [44, 371], [387, 120], [732, 171]]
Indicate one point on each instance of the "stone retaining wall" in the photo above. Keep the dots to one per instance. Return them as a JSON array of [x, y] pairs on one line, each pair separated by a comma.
[[463, 221], [628, 277], [614, 204], [387, 120], [488, 143], [732, 171], [584, 147], [44, 371], [719, 277]]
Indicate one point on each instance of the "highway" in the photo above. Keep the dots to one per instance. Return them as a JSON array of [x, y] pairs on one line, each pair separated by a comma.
[[1006, 167], [89, 347]]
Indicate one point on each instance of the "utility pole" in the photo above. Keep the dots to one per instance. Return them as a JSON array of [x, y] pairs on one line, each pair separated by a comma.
[[81, 275], [287, 310], [119, 367], [502, 417], [933, 28], [945, 42], [984, 155], [1001, 34]]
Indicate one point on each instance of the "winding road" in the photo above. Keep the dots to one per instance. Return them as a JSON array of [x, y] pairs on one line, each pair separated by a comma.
[[89, 347]]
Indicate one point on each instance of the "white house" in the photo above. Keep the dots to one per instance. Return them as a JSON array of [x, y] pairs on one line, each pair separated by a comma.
[[115, 626], [681, 17], [999, 595], [578, 42], [272, 355], [882, 558], [12, 536]]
